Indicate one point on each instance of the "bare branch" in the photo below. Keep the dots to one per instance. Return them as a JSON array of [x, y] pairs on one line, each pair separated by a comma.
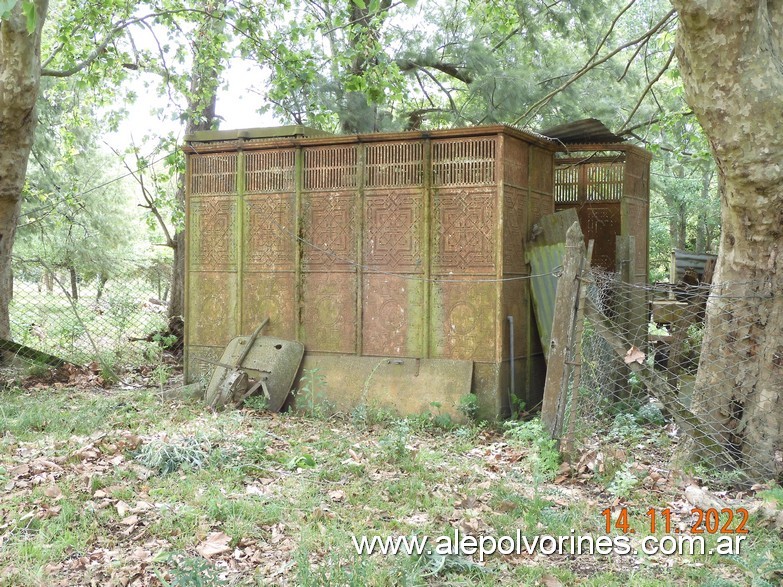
[[151, 204], [441, 86], [647, 89], [415, 117], [505, 39], [631, 129]]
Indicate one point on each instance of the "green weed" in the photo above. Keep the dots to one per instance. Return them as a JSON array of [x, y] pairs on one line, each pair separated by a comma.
[[190, 572], [543, 456], [168, 456]]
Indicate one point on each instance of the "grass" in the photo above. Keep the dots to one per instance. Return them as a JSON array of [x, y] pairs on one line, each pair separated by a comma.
[[101, 486]]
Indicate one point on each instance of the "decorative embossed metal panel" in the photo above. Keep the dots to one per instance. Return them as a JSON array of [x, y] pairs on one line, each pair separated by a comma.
[[271, 295], [270, 172], [212, 309], [393, 224], [328, 231], [391, 165], [464, 231], [269, 232], [463, 317], [464, 162], [392, 315], [213, 234], [328, 311], [212, 253], [515, 203]]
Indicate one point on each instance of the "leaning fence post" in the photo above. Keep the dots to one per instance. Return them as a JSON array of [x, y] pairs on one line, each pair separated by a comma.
[[556, 385], [574, 409]]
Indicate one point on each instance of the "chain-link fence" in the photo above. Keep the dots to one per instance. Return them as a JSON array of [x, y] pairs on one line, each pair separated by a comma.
[[117, 322], [697, 361]]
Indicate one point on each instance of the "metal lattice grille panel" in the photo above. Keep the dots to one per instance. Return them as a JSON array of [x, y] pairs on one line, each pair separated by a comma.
[[592, 182], [213, 174], [567, 184], [270, 171], [463, 162], [394, 165], [330, 168], [605, 182]]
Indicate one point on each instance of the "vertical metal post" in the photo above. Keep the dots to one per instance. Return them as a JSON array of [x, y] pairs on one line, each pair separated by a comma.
[[428, 195], [188, 376], [240, 245], [361, 161], [512, 388], [529, 318], [298, 285]]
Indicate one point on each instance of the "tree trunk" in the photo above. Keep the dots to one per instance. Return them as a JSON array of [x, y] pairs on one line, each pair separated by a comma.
[[20, 70], [702, 221], [730, 55], [202, 103], [74, 283], [103, 278], [677, 220]]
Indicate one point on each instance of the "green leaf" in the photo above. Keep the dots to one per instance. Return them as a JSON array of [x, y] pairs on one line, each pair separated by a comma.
[[32, 15], [5, 7], [361, 4], [409, 3]]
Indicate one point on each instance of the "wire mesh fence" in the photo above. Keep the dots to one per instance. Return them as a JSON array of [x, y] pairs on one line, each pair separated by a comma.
[[113, 322], [695, 360]]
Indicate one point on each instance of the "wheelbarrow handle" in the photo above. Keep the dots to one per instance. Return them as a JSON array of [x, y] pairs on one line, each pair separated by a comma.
[[250, 342]]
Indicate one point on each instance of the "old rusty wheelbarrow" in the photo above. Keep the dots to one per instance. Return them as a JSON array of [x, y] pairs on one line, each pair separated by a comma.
[[252, 364]]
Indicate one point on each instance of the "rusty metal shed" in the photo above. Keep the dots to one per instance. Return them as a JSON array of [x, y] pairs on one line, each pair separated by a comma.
[[406, 245]]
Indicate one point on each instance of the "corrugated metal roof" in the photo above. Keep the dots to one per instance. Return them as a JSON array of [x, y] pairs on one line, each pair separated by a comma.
[[589, 130]]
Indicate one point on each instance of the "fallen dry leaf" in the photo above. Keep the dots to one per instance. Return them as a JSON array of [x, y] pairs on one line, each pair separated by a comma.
[[214, 543], [53, 491], [634, 355], [337, 495], [550, 581]]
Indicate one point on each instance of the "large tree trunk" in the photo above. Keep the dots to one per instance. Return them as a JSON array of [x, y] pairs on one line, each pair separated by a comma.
[[702, 220], [208, 63], [20, 70], [731, 58]]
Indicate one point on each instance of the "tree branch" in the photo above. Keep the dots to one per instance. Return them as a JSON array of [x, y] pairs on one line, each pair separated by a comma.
[[101, 48], [151, 205], [647, 89], [449, 69]]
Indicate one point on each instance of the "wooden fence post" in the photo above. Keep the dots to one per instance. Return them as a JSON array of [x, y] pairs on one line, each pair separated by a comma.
[[556, 385]]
